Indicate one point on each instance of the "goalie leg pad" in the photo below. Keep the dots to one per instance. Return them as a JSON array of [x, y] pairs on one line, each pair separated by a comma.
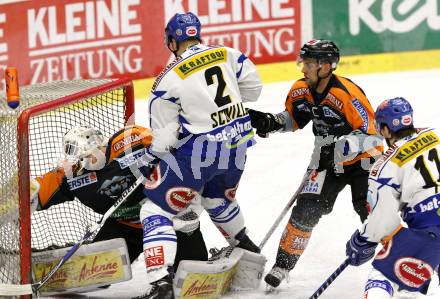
[[93, 265], [159, 240], [249, 271], [197, 279]]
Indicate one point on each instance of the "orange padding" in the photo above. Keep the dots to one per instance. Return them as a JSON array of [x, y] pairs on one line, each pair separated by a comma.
[[294, 240], [128, 138], [49, 184]]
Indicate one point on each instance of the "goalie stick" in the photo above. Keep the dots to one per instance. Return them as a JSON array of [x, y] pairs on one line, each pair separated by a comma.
[[26, 289], [286, 209]]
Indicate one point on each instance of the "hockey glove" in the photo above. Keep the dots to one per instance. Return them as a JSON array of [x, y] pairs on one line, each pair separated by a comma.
[[147, 164], [265, 123], [359, 250]]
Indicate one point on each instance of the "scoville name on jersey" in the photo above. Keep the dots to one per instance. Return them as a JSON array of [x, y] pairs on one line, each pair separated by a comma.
[[228, 114]]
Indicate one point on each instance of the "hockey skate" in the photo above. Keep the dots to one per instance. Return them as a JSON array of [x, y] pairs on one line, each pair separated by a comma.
[[161, 289], [245, 242], [275, 276]]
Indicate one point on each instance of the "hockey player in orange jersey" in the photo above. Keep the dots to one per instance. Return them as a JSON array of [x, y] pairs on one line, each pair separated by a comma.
[[345, 148]]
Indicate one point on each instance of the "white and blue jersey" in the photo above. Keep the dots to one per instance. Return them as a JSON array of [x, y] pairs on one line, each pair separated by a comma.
[[406, 180], [200, 97]]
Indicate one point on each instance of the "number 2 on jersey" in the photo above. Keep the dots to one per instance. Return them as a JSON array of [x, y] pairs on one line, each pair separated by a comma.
[[219, 99], [425, 172]]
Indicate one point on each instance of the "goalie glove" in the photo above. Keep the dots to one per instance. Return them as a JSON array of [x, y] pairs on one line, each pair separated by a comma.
[[264, 123]]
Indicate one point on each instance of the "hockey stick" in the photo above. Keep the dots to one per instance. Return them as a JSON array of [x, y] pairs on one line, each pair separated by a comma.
[[329, 280], [26, 289], [286, 209]]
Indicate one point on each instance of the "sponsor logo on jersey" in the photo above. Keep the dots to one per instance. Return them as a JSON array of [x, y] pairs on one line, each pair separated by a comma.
[[126, 141], [335, 101], [413, 148], [178, 198], [299, 92], [154, 256], [429, 204], [329, 113], [378, 165], [114, 187], [362, 112], [83, 180], [200, 61], [230, 132], [412, 272], [164, 71], [226, 115], [130, 159]]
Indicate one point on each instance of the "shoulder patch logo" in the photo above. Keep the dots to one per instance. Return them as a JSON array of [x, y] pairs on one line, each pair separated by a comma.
[[362, 112]]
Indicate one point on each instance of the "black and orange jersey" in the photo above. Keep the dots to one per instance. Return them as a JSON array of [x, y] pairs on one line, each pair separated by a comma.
[[341, 109], [99, 189]]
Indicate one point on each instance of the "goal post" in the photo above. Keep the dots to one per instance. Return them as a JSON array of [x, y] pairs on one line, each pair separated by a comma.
[[30, 142]]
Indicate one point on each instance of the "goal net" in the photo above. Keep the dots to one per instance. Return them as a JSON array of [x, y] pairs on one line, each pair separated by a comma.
[[31, 145]]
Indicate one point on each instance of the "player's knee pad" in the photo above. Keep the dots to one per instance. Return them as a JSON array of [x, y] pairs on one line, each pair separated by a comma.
[[159, 239], [226, 215], [378, 286], [295, 237]]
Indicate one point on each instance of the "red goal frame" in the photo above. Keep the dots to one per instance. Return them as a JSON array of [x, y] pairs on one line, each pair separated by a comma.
[[24, 164]]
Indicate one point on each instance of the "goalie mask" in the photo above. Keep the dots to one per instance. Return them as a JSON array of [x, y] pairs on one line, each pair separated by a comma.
[[83, 145]]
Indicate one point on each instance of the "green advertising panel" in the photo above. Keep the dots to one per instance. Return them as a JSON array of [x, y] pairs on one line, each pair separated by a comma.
[[376, 26]]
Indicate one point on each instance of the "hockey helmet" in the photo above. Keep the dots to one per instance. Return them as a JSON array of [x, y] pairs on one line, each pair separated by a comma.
[[322, 50], [80, 142], [182, 27], [396, 113]]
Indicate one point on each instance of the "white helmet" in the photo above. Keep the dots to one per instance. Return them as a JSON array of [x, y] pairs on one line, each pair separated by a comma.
[[80, 142]]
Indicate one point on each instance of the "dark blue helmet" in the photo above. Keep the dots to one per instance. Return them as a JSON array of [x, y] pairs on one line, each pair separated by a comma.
[[396, 113], [183, 26]]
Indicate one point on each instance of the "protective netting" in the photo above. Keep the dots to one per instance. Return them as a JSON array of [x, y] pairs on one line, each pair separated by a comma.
[[63, 224]]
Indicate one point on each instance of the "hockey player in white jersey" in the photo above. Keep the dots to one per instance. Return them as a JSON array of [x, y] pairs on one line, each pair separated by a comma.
[[406, 180], [201, 132]]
